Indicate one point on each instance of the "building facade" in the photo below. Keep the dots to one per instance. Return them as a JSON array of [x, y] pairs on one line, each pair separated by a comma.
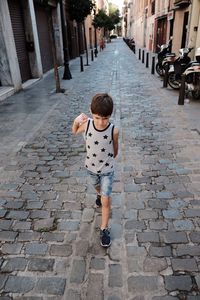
[[153, 22], [26, 28]]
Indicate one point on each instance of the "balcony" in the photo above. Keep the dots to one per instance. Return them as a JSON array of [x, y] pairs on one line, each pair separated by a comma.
[[182, 3]]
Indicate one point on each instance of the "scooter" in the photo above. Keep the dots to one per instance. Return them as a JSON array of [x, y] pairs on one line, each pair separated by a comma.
[[192, 80], [165, 49], [177, 68]]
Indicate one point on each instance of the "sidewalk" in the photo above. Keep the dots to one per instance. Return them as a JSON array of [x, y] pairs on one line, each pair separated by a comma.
[[48, 221]]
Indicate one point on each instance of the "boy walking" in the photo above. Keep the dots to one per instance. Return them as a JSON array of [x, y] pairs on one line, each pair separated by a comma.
[[101, 138]]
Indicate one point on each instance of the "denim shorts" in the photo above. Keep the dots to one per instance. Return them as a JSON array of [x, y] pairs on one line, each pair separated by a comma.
[[104, 181]]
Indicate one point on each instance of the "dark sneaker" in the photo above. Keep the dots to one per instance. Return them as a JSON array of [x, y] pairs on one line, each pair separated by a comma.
[[98, 201], [105, 238]]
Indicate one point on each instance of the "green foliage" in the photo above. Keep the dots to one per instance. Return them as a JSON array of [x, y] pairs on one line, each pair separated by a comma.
[[80, 9], [102, 20]]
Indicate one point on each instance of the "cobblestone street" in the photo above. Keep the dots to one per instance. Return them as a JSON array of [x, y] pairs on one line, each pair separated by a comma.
[[49, 225]]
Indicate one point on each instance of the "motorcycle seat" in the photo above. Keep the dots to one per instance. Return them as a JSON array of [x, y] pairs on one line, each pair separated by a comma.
[[171, 54]]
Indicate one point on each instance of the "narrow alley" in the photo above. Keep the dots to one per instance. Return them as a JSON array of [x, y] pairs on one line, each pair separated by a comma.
[[49, 225]]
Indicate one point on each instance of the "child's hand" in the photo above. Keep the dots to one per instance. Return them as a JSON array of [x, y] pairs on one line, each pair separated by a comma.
[[82, 118]]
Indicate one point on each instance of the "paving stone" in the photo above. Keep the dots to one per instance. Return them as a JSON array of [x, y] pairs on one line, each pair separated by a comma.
[[14, 264], [19, 284], [185, 264], [5, 224], [171, 214], [3, 279], [192, 250], [164, 251], [36, 248], [131, 188], [44, 224], [147, 214], [82, 248], [88, 215], [158, 225], [53, 237], [68, 225], [144, 237], [183, 225], [10, 204], [78, 271], [154, 264], [39, 264], [165, 298], [51, 285], [97, 263], [21, 225], [181, 283], [115, 275], [164, 195], [40, 214], [9, 248], [142, 283], [136, 225], [174, 237], [114, 297], [28, 236], [61, 250], [195, 236], [73, 295], [95, 287], [18, 215]]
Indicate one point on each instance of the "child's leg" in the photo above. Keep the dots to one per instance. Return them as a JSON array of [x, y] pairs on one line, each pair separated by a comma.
[[105, 201]]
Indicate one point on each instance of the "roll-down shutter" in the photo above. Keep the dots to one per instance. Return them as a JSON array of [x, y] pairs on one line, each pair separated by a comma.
[[44, 39], [16, 16]]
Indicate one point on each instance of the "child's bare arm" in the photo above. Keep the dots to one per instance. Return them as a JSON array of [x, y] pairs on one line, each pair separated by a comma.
[[115, 141], [79, 124]]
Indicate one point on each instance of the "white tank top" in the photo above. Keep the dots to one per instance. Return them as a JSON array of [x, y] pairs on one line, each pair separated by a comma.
[[99, 147]]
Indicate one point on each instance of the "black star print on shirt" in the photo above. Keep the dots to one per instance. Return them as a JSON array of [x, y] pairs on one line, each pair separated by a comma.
[[107, 164], [101, 161], [94, 155], [103, 150], [105, 137], [110, 154], [96, 142], [90, 134]]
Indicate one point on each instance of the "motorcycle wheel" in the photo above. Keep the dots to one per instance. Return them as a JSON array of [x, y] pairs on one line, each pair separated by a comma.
[[159, 70], [196, 94], [173, 82]]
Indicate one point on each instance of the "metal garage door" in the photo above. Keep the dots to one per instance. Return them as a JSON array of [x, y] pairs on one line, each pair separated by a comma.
[[16, 16], [44, 38]]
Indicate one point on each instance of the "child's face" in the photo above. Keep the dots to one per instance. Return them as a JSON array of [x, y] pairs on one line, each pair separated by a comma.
[[100, 122]]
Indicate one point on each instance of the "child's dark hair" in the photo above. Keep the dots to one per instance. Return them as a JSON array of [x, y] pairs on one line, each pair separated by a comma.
[[102, 105]]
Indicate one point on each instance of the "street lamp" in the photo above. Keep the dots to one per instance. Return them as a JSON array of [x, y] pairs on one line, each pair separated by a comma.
[[95, 37], [67, 73]]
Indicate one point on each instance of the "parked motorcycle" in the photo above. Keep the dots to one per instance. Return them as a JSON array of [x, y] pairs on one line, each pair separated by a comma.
[[177, 68], [192, 81], [164, 50]]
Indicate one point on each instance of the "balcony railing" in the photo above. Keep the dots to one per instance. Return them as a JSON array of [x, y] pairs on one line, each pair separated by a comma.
[[182, 2]]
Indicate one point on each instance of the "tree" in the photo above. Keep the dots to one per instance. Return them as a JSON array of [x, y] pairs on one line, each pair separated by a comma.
[[79, 10], [102, 20]]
